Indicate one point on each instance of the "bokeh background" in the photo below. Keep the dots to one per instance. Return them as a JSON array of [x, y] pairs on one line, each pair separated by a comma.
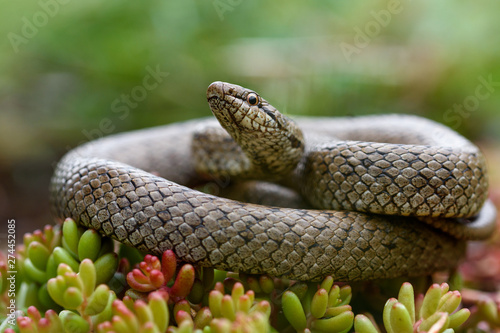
[[75, 70]]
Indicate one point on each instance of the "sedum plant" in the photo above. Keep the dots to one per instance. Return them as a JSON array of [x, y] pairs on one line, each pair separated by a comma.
[[225, 313], [65, 274], [138, 316], [153, 274], [79, 292], [325, 310], [44, 251], [84, 303], [437, 312]]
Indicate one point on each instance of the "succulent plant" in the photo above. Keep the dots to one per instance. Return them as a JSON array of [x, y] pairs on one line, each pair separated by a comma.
[[263, 285], [44, 251], [237, 312], [85, 305], [65, 321], [490, 312], [325, 309], [138, 316], [153, 274], [437, 311], [80, 292], [68, 272], [34, 322]]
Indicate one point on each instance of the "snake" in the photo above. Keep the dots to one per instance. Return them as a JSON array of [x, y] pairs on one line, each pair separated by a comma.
[[386, 195]]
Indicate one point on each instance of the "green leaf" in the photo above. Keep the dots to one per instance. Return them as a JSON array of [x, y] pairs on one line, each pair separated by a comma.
[[364, 325], [38, 254], [62, 256], [89, 245], [340, 323], [293, 310], [72, 298], [88, 275], [45, 299], [319, 303], [107, 313], [450, 301], [387, 314], [73, 323], [214, 303], [345, 294], [143, 311], [327, 283], [400, 319], [98, 300], [105, 267], [71, 237], [160, 311], [438, 320], [56, 288], [406, 297], [333, 297], [431, 301], [228, 308], [458, 318], [33, 272]]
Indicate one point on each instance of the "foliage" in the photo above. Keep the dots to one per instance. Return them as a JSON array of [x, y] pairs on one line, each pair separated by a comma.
[[434, 312], [43, 252], [165, 295]]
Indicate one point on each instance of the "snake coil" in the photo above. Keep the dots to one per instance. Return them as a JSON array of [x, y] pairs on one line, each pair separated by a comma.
[[393, 195]]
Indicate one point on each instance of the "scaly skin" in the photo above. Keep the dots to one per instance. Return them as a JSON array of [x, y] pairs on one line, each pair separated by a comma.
[[97, 185]]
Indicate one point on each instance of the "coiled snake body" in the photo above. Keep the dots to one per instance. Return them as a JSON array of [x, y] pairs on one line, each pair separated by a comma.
[[371, 195]]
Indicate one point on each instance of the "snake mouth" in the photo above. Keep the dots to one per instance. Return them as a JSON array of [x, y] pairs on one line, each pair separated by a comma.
[[212, 98], [215, 91]]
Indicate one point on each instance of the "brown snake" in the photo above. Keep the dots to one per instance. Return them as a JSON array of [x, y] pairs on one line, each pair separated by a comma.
[[410, 169]]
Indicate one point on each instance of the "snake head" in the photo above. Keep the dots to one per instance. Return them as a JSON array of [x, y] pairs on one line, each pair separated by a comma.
[[236, 106], [273, 142]]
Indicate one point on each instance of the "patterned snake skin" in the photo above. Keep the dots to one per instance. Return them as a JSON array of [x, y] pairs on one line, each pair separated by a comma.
[[410, 169]]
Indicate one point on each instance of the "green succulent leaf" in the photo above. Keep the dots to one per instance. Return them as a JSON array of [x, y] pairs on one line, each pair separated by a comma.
[[105, 267], [406, 297], [89, 245], [431, 301], [88, 275], [319, 303], [214, 303], [341, 323], [362, 324], [333, 296], [62, 256], [160, 311], [73, 323], [71, 237], [98, 300], [34, 272], [387, 314], [458, 318], [438, 322], [38, 254], [293, 310], [72, 298], [400, 319], [327, 283]]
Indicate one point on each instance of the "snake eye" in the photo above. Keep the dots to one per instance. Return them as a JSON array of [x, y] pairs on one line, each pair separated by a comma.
[[253, 99]]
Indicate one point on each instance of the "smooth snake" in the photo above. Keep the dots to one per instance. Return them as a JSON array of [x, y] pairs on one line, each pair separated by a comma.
[[393, 195]]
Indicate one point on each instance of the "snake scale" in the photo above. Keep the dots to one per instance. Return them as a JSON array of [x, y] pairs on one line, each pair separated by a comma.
[[393, 195]]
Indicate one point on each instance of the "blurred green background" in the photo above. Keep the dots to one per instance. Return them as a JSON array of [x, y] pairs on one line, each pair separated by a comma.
[[74, 70]]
